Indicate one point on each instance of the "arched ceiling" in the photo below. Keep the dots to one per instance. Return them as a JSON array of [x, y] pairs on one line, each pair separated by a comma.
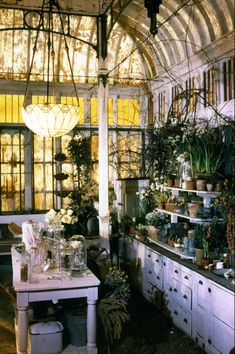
[[184, 28]]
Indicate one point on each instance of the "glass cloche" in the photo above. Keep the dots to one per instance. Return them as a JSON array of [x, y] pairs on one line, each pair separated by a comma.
[[78, 255]]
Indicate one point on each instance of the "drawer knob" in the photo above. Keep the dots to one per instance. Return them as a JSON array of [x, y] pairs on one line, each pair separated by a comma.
[[164, 264], [157, 260], [209, 290], [200, 282], [185, 296], [149, 255], [150, 272], [176, 313], [209, 340], [170, 289], [186, 277], [176, 271], [185, 320], [158, 277], [175, 290]]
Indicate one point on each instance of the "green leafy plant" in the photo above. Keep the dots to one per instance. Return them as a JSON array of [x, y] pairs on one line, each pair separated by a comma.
[[200, 233], [157, 219], [207, 152], [142, 230], [85, 191], [112, 309], [161, 196]]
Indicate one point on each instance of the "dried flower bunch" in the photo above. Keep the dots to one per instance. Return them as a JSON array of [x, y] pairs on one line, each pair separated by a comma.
[[64, 216], [117, 281]]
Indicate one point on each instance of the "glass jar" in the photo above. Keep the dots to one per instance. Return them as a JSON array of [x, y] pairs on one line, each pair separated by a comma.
[[78, 256], [65, 255], [24, 260]]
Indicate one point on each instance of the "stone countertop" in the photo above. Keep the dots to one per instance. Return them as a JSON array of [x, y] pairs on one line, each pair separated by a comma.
[[220, 280]]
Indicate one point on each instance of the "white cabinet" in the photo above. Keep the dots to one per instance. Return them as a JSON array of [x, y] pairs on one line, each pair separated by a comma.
[[213, 316], [201, 313], [135, 254], [222, 319], [153, 277], [178, 294], [198, 306]]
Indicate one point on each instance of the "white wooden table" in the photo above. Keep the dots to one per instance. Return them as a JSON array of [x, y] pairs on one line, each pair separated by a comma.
[[53, 289]]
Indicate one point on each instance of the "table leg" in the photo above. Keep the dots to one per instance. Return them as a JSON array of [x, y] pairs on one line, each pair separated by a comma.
[[22, 335], [91, 324]]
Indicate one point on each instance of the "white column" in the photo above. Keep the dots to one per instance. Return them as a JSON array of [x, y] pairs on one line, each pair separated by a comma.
[[103, 154], [28, 169]]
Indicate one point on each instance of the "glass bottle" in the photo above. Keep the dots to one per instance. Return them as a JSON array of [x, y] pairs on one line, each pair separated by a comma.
[[191, 243], [24, 265], [78, 255]]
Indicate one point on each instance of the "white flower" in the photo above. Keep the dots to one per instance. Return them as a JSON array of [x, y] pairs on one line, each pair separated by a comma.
[[66, 219], [64, 216], [74, 219]]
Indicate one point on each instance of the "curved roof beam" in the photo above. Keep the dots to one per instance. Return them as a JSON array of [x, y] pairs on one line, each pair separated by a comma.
[[189, 19]]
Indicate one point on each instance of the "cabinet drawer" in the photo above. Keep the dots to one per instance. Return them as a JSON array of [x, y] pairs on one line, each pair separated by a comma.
[[154, 258], [223, 305], [222, 336], [180, 293], [186, 278], [155, 276], [152, 294], [181, 318], [202, 294]]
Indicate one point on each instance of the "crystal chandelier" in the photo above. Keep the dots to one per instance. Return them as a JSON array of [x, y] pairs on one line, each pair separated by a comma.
[[50, 119]]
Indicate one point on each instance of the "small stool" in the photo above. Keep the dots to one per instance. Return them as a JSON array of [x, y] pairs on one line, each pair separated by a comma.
[[46, 338]]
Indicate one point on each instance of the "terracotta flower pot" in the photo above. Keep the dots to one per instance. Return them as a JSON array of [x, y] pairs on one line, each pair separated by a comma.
[[199, 256], [193, 209], [170, 182], [201, 184], [190, 185], [177, 183], [153, 232], [170, 206], [160, 205]]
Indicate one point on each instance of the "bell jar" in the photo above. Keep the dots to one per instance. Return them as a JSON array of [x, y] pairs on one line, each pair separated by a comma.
[[78, 256]]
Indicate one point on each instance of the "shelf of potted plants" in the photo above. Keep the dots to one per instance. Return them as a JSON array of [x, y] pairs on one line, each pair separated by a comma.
[[207, 196]]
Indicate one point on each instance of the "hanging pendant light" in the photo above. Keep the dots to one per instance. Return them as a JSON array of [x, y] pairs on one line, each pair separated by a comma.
[[50, 119]]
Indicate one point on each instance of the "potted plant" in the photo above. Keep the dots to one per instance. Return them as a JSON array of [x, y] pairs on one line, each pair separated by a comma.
[[194, 206], [112, 308], [207, 153], [155, 221], [142, 232], [199, 234], [161, 198], [170, 205]]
